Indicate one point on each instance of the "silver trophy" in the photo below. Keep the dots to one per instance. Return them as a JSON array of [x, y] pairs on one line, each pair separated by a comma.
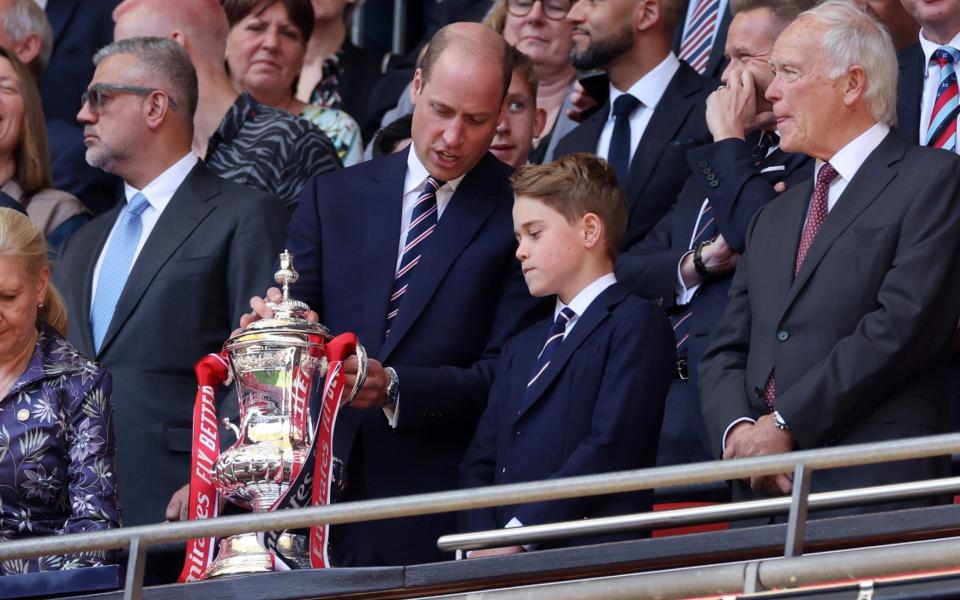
[[277, 364]]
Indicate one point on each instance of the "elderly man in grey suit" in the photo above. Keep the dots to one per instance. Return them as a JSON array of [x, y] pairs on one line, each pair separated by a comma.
[[842, 308], [160, 280]]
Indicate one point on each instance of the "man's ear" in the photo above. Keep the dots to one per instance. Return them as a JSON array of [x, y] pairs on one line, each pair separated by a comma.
[[157, 107], [646, 14], [592, 227], [854, 84], [417, 88], [28, 49]]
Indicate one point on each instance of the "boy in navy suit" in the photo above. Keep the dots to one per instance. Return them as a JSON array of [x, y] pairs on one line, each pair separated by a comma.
[[583, 392]]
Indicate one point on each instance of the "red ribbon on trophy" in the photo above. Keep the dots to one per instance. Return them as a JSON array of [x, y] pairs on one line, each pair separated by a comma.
[[211, 371], [313, 480]]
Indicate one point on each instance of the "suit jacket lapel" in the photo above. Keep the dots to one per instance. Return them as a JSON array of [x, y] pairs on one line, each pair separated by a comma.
[[585, 136], [871, 179], [58, 13], [186, 210], [84, 342], [461, 219], [382, 207], [667, 119], [586, 323]]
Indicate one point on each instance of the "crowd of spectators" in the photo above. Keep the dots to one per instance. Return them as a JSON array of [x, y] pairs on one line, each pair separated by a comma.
[[587, 236]]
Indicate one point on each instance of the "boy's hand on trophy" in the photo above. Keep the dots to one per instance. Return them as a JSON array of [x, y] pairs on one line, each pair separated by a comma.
[[179, 504], [373, 394]]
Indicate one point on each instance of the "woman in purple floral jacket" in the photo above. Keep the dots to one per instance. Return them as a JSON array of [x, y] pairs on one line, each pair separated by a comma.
[[56, 420]]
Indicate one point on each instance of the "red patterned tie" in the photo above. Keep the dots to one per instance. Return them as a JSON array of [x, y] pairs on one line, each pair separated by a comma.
[[815, 218]]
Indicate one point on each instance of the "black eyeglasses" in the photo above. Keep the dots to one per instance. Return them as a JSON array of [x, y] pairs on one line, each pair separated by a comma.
[[553, 9], [94, 94]]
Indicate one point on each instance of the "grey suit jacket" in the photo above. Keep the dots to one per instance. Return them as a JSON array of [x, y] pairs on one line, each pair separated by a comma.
[[213, 248], [860, 338]]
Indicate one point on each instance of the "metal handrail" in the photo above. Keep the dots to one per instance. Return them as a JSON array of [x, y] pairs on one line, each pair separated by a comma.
[[535, 534], [451, 501]]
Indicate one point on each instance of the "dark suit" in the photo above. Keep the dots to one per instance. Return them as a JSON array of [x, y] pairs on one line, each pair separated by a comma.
[[466, 296], [859, 339], [211, 250], [725, 173], [596, 408], [717, 62], [79, 30], [910, 92], [658, 169]]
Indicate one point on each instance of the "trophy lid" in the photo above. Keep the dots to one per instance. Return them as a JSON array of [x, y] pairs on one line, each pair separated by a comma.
[[289, 315]]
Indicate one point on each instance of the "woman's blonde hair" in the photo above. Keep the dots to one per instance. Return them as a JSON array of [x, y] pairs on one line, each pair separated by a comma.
[[20, 238], [32, 158]]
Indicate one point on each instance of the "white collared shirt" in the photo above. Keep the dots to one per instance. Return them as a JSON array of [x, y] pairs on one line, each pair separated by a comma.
[[412, 186], [582, 301], [158, 194], [931, 81], [848, 160], [648, 90]]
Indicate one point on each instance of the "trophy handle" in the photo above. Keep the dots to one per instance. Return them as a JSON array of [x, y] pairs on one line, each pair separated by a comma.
[[341, 347]]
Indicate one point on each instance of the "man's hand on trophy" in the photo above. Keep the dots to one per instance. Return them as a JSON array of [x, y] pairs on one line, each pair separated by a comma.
[[262, 311], [179, 504], [373, 394]]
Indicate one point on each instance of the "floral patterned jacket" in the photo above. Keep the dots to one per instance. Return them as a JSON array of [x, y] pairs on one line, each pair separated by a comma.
[[56, 454]]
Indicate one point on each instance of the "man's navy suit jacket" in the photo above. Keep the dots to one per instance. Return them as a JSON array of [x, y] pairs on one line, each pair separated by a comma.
[[465, 298], [209, 252], [910, 92], [596, 408], [658, 169]]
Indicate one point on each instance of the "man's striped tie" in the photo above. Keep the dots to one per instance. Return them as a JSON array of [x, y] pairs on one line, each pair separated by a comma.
[[698, 38], [554, 338], [942, 132], [423, 221], [706, 229]]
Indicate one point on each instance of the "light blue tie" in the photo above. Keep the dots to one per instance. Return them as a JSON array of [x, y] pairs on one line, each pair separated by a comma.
[[116, 266]]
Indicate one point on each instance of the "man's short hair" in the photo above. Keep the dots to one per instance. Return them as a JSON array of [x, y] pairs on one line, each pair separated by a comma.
[[447, 37], [203, 22], [577, 184], [24, 17], [524, 66], [162, 63], [671, 12], [784, 11], [853, 36]]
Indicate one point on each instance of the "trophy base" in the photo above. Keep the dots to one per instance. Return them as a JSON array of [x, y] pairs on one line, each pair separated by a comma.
[[243, 553]]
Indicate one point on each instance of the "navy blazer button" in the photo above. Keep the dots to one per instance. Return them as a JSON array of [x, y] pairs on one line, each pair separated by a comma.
[[783, 336], [703, 164], [516, 433], [714, 183]]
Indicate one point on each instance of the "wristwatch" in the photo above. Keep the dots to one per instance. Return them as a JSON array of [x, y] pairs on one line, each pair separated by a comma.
[[698, 265], [779, 422], [393, 388]]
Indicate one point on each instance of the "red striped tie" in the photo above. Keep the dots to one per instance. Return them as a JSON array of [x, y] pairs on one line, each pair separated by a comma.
[[701, 31]]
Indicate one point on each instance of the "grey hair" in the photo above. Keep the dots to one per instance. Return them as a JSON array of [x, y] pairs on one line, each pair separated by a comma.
[[24, 17], [163, 58], [854, 37]]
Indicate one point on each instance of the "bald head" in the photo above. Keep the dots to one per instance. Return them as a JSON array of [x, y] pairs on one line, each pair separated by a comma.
[[199, 25], [471, 39]]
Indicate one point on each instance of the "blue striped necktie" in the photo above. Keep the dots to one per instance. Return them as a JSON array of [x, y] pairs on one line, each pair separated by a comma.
[[116, 265], [942, 130], [706, 229], [698, 38], [423, 221], [554, 338]]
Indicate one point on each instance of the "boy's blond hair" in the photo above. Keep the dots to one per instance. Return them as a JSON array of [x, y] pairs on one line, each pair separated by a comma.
[[575, 185]]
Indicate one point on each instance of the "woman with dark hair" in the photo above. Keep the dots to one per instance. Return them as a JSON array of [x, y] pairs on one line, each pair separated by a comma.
[[24, 162], [56, 419], [265, 53]]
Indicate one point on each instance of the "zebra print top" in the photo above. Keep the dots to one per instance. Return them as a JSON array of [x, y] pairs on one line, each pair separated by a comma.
[[269, 149]]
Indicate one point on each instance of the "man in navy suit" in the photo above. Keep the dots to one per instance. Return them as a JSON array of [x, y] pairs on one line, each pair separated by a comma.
[[414, 253], [656, 107], [582, 391], [732, 179]]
